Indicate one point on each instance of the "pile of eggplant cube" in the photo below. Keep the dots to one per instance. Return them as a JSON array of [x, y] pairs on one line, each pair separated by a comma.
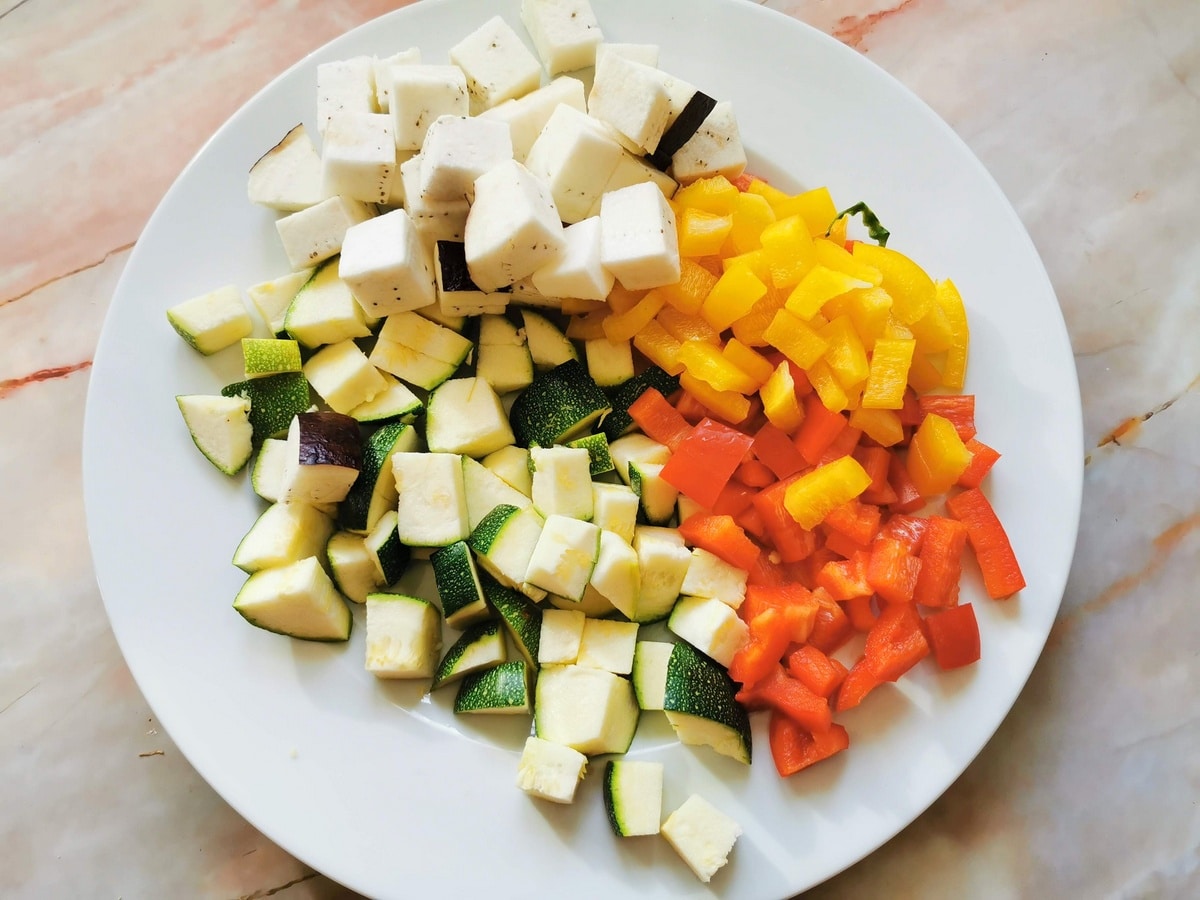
[[457, 213]]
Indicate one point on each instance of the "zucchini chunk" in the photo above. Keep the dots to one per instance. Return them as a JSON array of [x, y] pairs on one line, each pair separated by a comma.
[[297, 600], [633, 796]]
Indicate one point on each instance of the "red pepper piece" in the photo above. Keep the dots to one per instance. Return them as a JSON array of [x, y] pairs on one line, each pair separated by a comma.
[[755, 474], [892, 572], [911, 412], [770, 636], [722, 537], [781, 692], [846, 578], [983, 458], [894, 645], [832, 628], [659, 419], [843, 445], [941, 562], [908, 530], [1001, 573], [690, 408], [856, 520], [705, 460], [874, 461], [842, 546], [908, 498], [776, 450], [819, 429], [752, 523], [954, 636], [733, 499], [821, 674], [792, 542], [959, 409], [793, 748]]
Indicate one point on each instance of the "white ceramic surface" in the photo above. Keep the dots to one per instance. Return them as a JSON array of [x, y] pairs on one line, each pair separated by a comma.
[[362, 780]]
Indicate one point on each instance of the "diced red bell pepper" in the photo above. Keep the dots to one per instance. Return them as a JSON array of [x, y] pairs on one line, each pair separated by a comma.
[[892, 572], [860, 613], [845, 579], [734, 498], [832, 628], [766, 573], [959, 409], [690, 408], [770, 636], [856, 520], [820, 428], [954, 636], [821, 674], [874, 461], [911, 413], [859, 681], [983, 458], [908, 530], [894, 645], [1001, 572], [743, 181], [791, 541], [843, 445], [776, 450], [722, 537], [908, 498], [781, 692], [789, 597], [753, 524], [941, 562], [659, 419], [793, 748], [842, 546], [755, 474], [705, 460]]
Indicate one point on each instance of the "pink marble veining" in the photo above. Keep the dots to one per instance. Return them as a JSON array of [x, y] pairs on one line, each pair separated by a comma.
[[1087, 112]]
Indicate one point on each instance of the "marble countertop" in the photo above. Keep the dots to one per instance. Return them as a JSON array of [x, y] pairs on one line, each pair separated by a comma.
[[1088, 114]]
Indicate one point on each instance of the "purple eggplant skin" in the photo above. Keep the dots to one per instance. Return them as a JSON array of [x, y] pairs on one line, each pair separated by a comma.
[[330, 439]]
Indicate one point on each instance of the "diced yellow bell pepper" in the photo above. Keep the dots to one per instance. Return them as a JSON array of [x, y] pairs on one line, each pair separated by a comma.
[[932, 331], [788, 250], [818, 287], [846, 355], [575, 307], [621, 299], [588, 327], [623, 326], [883, 426], [868, 309], [828, 388], [702, 233], [936, 456], [923, 373], [729, 406], [834, 256], [716, 195], [780, 403], [811, 497], [951, 302], [755, 260], [687, 295], [795, 339], [751, 214], [837, 231], [732, 297], [654, 343], [815, 207], [750, 327], [894, 331], [704, 361], [890, 360], [912, 291], [752, 363], [772, 195], [684, 327]]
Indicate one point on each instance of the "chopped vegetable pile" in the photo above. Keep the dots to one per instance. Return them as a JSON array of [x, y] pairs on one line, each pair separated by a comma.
[[666, 435]]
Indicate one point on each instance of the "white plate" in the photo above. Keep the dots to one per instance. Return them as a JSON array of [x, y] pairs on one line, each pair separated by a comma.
[[384, 790]]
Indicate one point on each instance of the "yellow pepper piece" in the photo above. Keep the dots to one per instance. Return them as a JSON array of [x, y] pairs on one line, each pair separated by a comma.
[[948, 298], [932, 331], [846, 355], [936, 456], [819, 286], [702, 233], [894, 331], [574, 307], [621, 299], [815, 207], [880, 425], [837, 231], [684, 327], [687, 295], [704, 361], [715, 195], [729, 406], [828, 388], [623, 326], [752, 363], [750, 327], [923, 374], [868, 309], [912, 291], [588, 327], [836, 257], [756, 261], [772, 195], [890, 361], [788, 250], [810, 498], [792, 336], [654, 343], [751, 214], [779, 399], [732, 297]]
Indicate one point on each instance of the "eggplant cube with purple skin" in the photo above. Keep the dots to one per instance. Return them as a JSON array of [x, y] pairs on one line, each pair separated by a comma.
[[322, 459]]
